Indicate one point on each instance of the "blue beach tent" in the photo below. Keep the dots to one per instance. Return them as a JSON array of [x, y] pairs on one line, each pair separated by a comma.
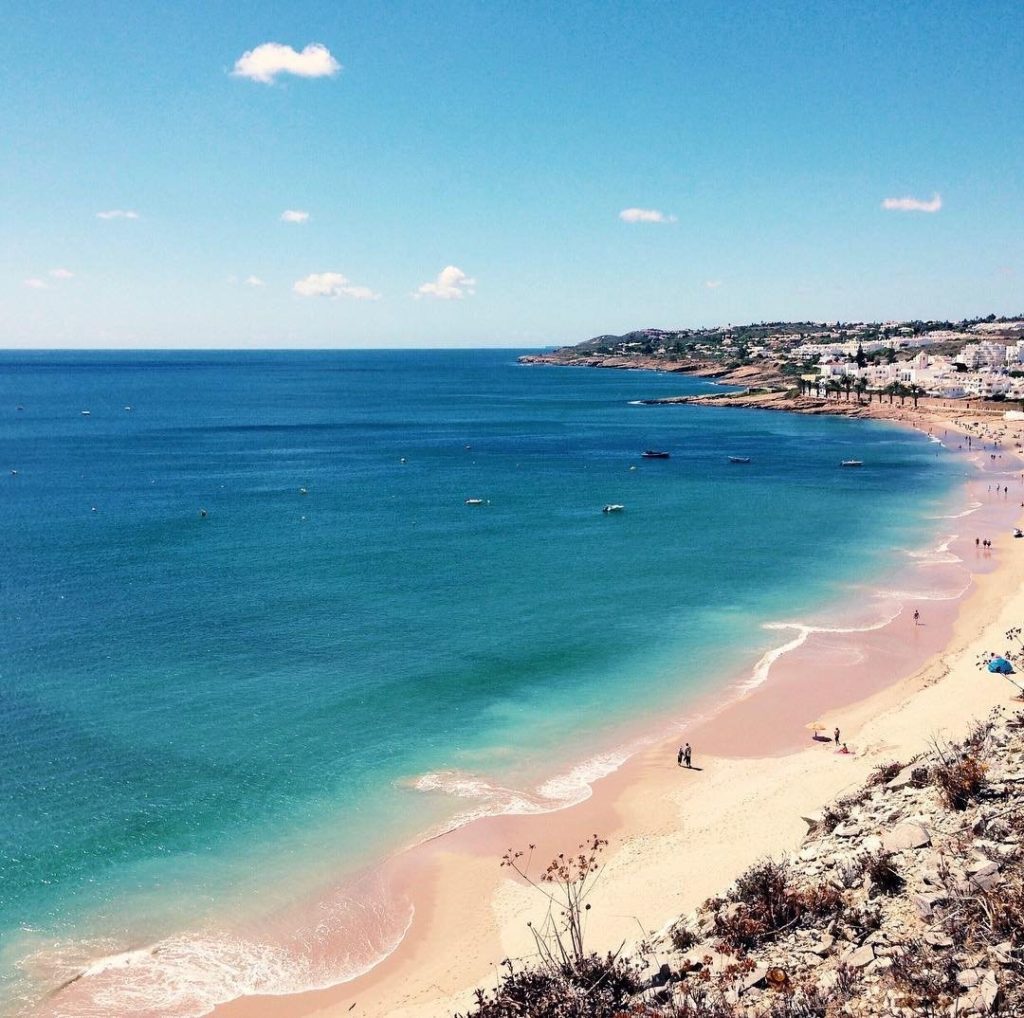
[[1000, 665]]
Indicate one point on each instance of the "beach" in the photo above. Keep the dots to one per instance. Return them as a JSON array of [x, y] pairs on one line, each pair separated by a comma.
[[677, 836]]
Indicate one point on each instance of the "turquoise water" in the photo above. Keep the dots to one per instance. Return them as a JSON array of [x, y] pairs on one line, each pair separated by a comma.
[[193, 708]]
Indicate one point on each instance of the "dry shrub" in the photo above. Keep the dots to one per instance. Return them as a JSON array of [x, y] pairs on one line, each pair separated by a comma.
[[920, 776], [596, 988], [924, 979], [885, 878], [885, 772], [764, 902], [683, 938], [960, 781]]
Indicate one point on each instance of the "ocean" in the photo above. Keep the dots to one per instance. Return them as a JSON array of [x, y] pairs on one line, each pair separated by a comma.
[[254, 638]]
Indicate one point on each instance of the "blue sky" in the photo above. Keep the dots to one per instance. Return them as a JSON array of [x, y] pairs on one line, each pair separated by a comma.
[[486, 152]]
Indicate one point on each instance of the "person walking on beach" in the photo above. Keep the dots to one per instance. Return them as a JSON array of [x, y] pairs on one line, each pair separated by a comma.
[[917, 617], [835, 735], [679, 757], [688, 755]]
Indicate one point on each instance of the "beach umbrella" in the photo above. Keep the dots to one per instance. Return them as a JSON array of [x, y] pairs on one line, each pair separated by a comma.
[[1000, 665], [817, 726]]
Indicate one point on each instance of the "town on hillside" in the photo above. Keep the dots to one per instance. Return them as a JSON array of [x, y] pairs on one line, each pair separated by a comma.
[[981, 358]]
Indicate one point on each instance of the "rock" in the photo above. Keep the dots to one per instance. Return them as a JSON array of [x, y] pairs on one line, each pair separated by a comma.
[[809, 854], [871, 844], [753, 977], [983, 874], [848, 830], [924, 904], [938, 939], [861, 957], [823, 945], [906, 836], [661, 977], [983, 997], [969, 978], [903, 779], [1002, 953]]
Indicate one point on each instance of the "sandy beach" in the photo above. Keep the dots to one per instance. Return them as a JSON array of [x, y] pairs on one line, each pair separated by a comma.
[[675, 835]]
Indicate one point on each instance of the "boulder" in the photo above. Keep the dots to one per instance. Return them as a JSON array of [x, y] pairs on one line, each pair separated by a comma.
[[848, 830], [906, 836], [861, 957]]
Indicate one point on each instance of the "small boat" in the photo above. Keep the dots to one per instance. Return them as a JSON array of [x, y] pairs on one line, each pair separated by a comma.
[[852, 463], [739, 459], [128, 409], [474, 501], [302, 491], [87, 413], [613, 507], [655, 454]]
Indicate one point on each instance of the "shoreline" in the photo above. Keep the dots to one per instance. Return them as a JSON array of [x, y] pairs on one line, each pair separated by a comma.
[[447, 949], [454, 945]]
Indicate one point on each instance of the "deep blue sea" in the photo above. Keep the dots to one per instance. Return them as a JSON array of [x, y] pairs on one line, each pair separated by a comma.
[[201, 714]]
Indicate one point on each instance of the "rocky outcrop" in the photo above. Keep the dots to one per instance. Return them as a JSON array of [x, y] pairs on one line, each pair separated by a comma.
[[899, 902]]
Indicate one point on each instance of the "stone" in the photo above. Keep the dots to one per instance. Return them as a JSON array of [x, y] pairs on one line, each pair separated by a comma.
[[848, 830], [983, 997], [753, 977], [906, 836], [983, 875], [824, 945], [1002, 953], [969, 978], [938, 939], [903, 779], [871, 844], [861, 957], [809, 854], [924, 904]]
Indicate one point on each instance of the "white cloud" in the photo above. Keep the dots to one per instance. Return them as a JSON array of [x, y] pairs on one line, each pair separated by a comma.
[[254, 281], [713, 284], [266, 62], [645, 216], [332, 284], [118, 214], [35, 283], [913, 204], [451, 284], [62, 274], [294, 216]]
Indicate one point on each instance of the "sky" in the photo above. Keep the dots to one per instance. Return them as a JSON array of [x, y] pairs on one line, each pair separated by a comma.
[[346, 174]]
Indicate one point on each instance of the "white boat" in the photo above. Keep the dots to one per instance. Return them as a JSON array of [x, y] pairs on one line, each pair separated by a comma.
[[613, 507], [87, 413], [739, 459], [852, 463], [474, 501]]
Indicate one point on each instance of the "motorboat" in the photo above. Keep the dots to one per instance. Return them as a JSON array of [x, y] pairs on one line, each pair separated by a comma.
[[655, 454], [87, 413], [852, 463], [613, 507], [474, 501], [739, 459]]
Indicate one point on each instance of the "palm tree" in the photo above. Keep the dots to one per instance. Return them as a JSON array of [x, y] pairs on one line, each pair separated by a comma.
[[915, 392], [861, 386], [846, 381]]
